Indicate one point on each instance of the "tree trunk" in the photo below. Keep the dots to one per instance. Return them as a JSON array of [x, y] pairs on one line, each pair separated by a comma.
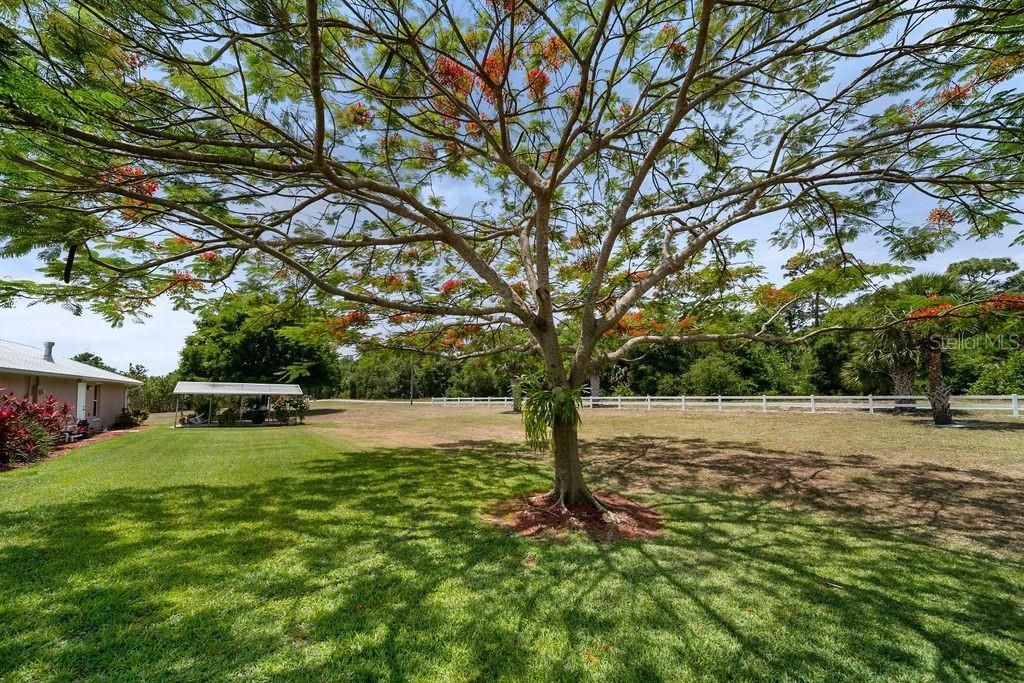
[[595, 384], [938, 392], [903, 384], [517, 396], [569, 487]]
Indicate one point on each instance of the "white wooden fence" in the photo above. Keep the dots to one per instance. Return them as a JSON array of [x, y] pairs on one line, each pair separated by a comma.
[[1005, 403]]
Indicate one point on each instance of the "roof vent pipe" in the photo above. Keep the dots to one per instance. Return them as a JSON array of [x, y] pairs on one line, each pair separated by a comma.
[[48, 351]]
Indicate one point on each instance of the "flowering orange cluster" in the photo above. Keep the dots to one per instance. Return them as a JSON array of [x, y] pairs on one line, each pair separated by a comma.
[[929, 311], [957, 92], [941, 217], [426, 152], [537, 82], [578, 241], [1012, 302], [1000, 67], [182, 241], [677, 51], [495, 67], [639, 275], [476, 131], [350, 319], [393, 281], [185, 280], [507, 5], [210, 256], [555, 52], [450, 115], [132, 177], [451, 74], [359, 114], [404, 317], [449, 286], [634, 325], [135, 61], [585, 264], [458, 336], [769, 295]]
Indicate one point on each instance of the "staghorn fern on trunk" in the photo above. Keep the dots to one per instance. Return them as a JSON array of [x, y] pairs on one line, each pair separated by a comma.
[[544, 406]]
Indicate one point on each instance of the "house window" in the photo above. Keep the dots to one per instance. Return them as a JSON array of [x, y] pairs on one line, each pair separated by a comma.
[[95, 400]]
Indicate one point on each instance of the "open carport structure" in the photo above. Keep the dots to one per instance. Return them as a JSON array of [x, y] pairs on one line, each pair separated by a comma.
[[242, 390]]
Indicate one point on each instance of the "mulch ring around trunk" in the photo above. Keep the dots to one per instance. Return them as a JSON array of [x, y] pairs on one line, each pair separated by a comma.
[[538, 517]]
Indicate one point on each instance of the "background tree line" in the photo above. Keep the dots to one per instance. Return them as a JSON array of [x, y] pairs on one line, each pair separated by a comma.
[[254, 337]]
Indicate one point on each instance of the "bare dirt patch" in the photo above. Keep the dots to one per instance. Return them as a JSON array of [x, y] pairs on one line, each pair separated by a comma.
[[539, 517]]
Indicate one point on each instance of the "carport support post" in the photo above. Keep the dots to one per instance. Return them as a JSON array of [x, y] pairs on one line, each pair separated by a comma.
[[177, 402], [1015, 404], [871, 404], [764, 404], [209, 413]]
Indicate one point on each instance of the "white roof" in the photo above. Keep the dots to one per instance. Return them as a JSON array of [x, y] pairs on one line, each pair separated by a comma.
[[22, 359], [237, 389]]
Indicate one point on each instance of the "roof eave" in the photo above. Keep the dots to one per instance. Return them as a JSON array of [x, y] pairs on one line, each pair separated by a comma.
[[80, 377]]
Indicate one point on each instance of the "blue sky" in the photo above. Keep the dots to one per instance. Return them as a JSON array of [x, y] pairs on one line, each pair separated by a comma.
[[157, 341]]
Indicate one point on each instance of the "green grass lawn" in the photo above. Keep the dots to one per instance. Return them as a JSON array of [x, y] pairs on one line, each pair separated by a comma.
[[291, 554]]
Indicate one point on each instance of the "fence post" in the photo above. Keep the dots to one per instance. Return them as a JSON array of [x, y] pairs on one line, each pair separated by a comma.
[[764, 404], [812, 403], [619, 403], [648, 402], [719, 403], [684, 403], [871, 404], [1015, 404]]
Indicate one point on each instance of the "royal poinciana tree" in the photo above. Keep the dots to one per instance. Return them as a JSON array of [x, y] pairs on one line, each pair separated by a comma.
[[579, 179]]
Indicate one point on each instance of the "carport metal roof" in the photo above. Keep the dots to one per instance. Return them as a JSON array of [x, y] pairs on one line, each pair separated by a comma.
[[236, 389]]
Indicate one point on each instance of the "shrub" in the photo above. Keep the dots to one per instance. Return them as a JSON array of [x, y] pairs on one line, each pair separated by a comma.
[[130, 418], [286, 406], [282, 409], [1002, 378], [713, 375], [299, 406], [28, 431], [229, 418]]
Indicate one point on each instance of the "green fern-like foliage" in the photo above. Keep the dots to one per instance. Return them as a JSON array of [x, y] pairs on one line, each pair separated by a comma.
[[543, 406]]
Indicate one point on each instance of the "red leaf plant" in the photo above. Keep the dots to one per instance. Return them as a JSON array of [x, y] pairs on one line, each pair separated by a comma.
[[28, 431]]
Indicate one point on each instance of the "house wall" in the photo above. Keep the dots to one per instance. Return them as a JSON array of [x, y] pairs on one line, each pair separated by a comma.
[[111, 402], [34, 386], [101, 415]]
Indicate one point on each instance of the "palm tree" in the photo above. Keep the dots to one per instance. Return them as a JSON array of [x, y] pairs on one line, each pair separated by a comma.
[[918, 292], [890, 354]]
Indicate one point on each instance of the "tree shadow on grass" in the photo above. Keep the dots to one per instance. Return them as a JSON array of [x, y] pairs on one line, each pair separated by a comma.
[[976, 507], [378, 565]]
